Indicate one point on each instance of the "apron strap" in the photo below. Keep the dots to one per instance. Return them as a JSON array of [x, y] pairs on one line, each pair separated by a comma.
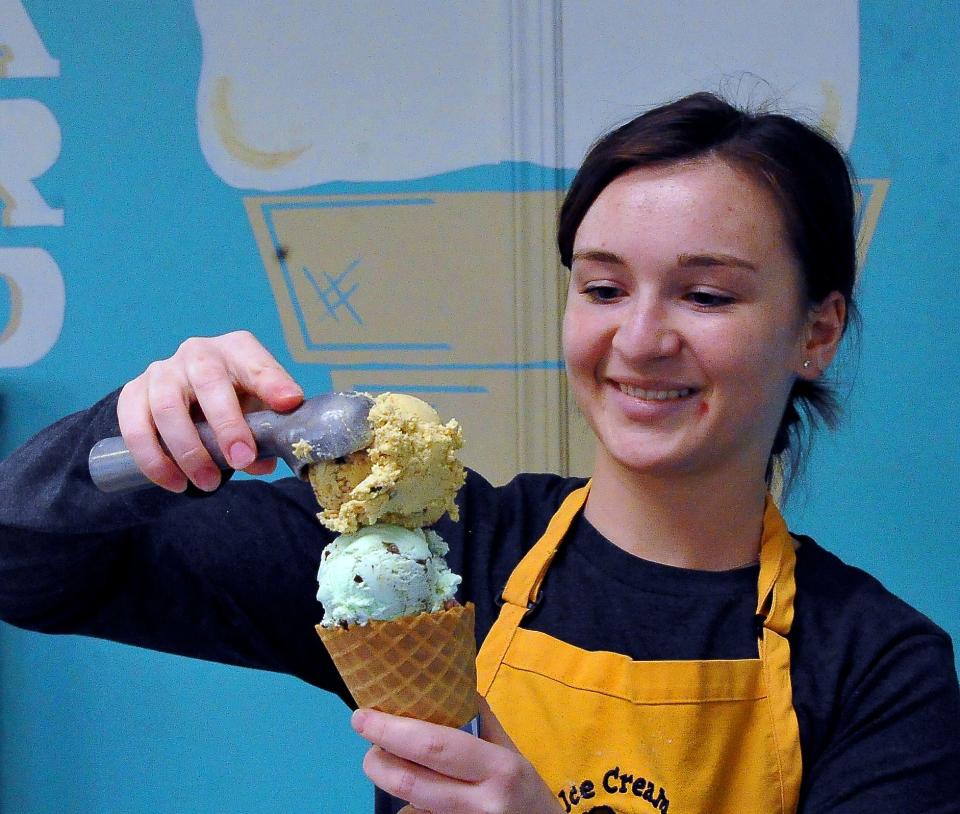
[[776, 588], [523, 587]]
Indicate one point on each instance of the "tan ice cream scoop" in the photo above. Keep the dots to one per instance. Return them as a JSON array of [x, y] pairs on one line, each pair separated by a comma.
[[408, 475], [322, 428]]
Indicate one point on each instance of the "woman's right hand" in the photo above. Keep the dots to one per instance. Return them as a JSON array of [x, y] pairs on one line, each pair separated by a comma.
[[215, 379]]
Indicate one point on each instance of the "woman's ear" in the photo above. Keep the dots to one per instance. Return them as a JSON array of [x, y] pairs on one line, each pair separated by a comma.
[[822, 335]]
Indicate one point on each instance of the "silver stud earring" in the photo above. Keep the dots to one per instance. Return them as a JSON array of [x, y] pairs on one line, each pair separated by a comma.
[[807, 364]]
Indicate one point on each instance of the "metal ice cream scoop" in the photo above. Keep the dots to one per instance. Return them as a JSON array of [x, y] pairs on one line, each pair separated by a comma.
[[322, 428]]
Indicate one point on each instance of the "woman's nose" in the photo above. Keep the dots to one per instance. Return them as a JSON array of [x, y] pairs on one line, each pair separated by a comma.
[[646, 332]]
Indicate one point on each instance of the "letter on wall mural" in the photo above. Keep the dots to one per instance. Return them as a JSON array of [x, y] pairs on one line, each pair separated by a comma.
[[36, 295], [30, 136], [22, 52]]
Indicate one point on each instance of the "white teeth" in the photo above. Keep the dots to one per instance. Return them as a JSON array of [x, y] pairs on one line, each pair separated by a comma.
[[655, 395]]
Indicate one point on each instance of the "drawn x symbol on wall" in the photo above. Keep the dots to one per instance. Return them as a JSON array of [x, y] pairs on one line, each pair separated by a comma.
[[332, 294]]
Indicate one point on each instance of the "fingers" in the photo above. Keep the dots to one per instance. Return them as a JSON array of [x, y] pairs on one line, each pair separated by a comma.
[[441, 748], [218, 375], [140, 436], [425, 789], [441, 769], [206, 369], [260, 375]]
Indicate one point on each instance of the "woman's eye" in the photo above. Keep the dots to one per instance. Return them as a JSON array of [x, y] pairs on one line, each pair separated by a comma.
[[708, 299], [603, 293]]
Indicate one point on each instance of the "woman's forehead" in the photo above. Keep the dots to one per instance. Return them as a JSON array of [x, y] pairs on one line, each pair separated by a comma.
[[682, 206]]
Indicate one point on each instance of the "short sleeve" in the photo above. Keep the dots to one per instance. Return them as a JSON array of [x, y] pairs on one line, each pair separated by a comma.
[[896, 744]]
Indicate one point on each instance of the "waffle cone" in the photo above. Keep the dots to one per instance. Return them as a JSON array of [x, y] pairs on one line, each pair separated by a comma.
[[421, 666]]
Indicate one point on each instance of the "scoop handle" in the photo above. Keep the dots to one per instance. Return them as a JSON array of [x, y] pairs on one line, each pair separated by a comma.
[[113, 469]]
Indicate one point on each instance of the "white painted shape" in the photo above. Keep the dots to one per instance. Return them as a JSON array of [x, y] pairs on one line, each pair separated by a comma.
[[28, 55], [373, 90], [622, 57], [38, 295], [390, 90], [30, 139]]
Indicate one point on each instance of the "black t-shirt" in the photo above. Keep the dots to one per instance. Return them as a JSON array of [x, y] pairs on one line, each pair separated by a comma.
[[231, 577]]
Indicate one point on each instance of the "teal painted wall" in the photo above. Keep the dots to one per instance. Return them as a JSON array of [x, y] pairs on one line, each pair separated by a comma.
[[155, 247]]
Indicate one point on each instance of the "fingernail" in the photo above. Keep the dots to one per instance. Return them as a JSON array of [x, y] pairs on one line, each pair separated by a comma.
[[358, 719], [291, 391], [207, 479], [241, 455]]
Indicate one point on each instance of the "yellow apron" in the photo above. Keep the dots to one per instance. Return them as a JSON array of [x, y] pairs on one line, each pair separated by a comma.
[[610, 735]]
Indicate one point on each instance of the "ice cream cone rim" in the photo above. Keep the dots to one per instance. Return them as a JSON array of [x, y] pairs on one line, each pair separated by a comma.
[[373, 624]]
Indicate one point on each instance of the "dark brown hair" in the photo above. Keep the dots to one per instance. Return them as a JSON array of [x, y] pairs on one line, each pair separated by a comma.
[[807, 174]]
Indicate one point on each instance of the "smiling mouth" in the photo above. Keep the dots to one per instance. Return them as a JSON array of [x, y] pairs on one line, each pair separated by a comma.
[[655, 395]]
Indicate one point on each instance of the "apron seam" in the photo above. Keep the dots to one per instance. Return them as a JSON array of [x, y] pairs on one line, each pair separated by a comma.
[[771, 714], [725, 699]]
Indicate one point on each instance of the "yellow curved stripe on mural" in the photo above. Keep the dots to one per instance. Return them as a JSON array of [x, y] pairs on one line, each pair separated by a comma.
[[830, 117], [6, 57], [871, 215], [16, 308], [6, 199], [229, 133]]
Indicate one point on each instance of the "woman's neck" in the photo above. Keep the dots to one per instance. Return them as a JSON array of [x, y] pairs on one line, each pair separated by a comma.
[[709, 522]]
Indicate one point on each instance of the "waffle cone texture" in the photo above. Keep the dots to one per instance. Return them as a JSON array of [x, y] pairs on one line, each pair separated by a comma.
[[421, 666]]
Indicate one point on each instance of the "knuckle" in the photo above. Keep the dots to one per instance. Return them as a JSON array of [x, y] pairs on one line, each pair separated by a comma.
[[139, 440], [204, 373], [434, 746], [262, 369], [154, 369], [230, 428], [190, 345], [510, 782], [155, 466], [166, 403], [405, 784], [239, 343], [193, 457], [241, 335]]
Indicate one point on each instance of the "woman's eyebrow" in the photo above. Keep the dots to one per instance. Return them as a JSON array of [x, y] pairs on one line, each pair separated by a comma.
[[598, 256], [712, 259]]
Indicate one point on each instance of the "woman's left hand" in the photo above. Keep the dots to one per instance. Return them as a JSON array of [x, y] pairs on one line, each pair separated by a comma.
[[443, 770]]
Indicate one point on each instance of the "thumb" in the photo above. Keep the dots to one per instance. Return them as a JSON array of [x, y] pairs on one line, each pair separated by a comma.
[[490, 728]]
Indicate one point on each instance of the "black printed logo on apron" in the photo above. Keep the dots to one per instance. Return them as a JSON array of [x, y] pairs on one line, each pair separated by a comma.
[[613, 782]]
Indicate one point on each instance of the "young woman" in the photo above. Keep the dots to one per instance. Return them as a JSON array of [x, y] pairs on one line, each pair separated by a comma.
[[653, 639]]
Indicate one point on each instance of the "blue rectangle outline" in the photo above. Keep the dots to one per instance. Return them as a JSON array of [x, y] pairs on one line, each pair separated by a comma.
[[535, 364]]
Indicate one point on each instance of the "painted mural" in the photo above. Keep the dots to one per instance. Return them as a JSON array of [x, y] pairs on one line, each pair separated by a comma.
[[371, 188]]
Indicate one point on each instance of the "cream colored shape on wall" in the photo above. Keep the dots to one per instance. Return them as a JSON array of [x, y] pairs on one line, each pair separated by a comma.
[[389, 90], [434, 293]]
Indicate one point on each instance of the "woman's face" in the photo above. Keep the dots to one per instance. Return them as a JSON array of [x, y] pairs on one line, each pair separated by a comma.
[[685, 323]]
